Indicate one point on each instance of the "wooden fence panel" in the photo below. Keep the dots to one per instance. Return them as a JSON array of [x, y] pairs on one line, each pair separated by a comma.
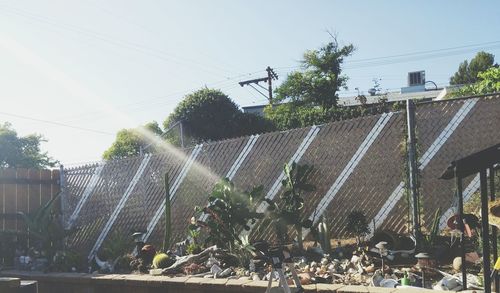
[[23, 190]]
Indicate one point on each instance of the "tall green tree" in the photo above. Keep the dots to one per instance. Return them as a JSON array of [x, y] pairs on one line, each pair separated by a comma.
[[209, 114], [320, 78], [467, 72], [309, 96], [22, 151], [206, 114], [488, 82], [129, 142]]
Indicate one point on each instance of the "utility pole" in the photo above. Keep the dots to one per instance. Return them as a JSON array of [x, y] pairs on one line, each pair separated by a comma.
[[270, 76]]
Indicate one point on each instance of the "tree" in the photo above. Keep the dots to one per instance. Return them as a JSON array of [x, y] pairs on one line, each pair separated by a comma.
[[129, 142], [209, 114], [22, 152], [290, 115], [488, 82], [310, 96], [467, 73], [321, 78]]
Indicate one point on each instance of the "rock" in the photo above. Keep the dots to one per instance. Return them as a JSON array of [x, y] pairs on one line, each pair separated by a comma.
[[457, 264], [332, 269], [355, 259], [305, 278], [448, 283], [377, 278], [472, 257], [370, 269], [225, 273], [215, 269]]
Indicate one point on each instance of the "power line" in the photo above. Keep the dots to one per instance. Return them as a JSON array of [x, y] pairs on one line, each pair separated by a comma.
[[55, 123], [412, 56], [147, 103], [160, 54]]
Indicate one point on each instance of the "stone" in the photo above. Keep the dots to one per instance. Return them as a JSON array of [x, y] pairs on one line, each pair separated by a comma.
[[305, 278], [457, 264], [370, 269]]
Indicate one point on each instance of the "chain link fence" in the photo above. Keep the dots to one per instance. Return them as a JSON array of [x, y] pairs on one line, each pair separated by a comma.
[[358, 164]]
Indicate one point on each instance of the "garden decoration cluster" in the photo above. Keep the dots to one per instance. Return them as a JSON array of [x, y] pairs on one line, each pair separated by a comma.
[[217, 244]]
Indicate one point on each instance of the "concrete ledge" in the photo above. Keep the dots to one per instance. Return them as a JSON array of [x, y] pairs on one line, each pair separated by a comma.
[[93, 283]]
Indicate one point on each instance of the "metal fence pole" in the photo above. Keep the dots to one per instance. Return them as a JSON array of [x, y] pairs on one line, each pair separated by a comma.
[[413, 169]]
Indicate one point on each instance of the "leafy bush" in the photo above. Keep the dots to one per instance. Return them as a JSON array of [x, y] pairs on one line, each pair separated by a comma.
[[229, 210], [357, 225], [288, 212]]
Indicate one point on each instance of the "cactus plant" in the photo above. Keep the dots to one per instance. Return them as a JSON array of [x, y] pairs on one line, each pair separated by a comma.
[[161, 261], [324, 235], [168, 223]]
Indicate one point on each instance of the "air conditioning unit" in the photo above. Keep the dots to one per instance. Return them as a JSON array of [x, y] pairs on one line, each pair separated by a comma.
[[416, 78]]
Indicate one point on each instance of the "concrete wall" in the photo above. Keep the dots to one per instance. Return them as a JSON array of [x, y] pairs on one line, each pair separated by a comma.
[[89, 283]]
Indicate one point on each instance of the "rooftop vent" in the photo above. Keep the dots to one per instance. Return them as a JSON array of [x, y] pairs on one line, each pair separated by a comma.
[[416, 78]]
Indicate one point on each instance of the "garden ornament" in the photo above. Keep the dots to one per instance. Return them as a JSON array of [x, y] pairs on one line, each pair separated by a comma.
[[382, 251], [422, 258]]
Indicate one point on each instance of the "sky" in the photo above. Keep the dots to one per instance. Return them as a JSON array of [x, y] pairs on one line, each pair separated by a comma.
[[79, 71]]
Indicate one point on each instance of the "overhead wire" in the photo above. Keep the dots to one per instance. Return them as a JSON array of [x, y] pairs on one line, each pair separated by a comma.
[[160, 54], [411, 56], [55, 123]]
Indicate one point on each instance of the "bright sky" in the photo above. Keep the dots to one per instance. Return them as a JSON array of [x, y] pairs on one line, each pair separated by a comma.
[[107, 65]]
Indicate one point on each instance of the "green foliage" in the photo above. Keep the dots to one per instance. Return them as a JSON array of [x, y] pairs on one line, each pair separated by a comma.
[[115, 246], [488, 82], [289, 115], [43, 228], [22, 152], [229, 210], [209, 114], [168, 220], [429, 240], [467, 73], [128, 142], [288, 212], [161, 261], [244, 251], [357, 225], [193, 248], [66, 261], [321, 78]]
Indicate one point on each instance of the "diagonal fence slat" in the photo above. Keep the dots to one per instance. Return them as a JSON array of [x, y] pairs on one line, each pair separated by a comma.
[[173, 189], [120, 205], [86, 193], [397, 194], [349, 168]]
